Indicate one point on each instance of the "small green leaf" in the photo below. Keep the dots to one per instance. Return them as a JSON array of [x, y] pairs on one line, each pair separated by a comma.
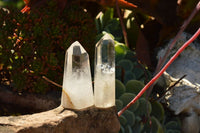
[[134, 86], [144, 108], [130, 117], [158, 110], [108, 15], [119, 104], [125, 64], [120, 49], [120, 88], [128, 97], [122, 120], [128, 129]]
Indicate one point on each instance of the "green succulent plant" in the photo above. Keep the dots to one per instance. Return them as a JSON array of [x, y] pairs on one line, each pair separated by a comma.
[[120, 88], [144, 109], [130, 117], [134, 86], [126, 98], [125, 64], [158, 110], [143, 116], [108, 23], [129, 82], [153, 126]]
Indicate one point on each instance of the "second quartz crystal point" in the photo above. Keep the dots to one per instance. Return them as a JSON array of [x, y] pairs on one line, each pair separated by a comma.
[[77, 84], [104, 81]]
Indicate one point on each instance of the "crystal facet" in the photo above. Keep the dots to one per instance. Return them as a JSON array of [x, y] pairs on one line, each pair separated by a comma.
[[77, 84], [104, 81]]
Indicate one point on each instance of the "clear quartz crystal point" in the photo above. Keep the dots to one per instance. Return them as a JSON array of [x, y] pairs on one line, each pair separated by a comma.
[[77, 84], [104, 81]]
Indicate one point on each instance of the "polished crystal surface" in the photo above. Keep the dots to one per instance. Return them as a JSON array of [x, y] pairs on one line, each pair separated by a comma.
[[104, 81], [77, 85]]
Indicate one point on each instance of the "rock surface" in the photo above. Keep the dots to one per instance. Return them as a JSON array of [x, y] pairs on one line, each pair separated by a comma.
[[187, 93], [60, 120], [185, 96]]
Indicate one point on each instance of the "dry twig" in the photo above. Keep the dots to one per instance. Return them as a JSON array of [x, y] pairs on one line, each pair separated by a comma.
[[171, 87], [52, 82], [185, 24], [122, 24], [183, 27]]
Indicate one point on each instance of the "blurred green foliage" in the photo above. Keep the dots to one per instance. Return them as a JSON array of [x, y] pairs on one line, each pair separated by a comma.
[[12, 3], [33, 45], [108, 23]]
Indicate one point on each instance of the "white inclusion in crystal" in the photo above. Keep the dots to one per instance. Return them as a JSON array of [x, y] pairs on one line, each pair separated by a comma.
[[104, 81], [77, 84]]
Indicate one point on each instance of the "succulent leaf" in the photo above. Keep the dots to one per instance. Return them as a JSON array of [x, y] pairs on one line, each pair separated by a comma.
[[120, 88], [134, 86], [119, 104], [158, 110], [126, 98], [130, 117], [144, 108]]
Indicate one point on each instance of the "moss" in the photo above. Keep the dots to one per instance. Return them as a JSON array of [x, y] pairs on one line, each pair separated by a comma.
[[39, 40]]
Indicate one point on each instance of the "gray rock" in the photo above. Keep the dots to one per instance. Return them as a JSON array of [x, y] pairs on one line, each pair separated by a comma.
[[185, 96], [60, 120]]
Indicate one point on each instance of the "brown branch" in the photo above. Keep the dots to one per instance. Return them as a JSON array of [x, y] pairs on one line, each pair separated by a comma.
[[122, 24], [52, 82], [185, 24], [183, 27]]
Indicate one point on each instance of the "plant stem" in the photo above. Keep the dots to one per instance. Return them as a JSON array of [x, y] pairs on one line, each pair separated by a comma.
[[183, 27], [52, 82], [161, 72], [170, 88], [185, 24], [122, 24]]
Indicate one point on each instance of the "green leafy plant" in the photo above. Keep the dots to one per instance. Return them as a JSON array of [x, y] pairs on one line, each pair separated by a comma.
[[137, 118], [9, 3], [108, 23], [144, 116]]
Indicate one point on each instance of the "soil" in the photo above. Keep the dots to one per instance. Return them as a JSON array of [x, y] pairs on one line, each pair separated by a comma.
[[14, 110], [11, 103]]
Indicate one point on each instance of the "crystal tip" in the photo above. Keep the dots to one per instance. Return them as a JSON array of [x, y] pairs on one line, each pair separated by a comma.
[[76, 47], [76, 43], [107, 36]]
